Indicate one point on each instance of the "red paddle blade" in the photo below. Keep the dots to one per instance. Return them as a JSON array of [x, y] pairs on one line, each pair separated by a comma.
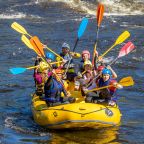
[[128, 47], [100, 12], [37, 45]]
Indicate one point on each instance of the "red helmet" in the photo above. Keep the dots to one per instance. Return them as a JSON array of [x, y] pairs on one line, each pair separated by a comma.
[[86, 52], [100, 68]]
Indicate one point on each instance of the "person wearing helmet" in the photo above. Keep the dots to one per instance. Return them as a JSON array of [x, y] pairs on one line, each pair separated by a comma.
[[68, 64], [55, 92], [85, 56], [41, 77], [66, 54], [65, 51], [105, 94], [50, 57], [88, 73]]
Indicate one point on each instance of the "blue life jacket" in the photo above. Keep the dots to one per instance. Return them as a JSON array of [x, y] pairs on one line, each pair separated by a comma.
[[101, 83], [53, 90]]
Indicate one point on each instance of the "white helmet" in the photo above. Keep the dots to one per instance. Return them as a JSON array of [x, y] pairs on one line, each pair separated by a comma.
[[65, 45]]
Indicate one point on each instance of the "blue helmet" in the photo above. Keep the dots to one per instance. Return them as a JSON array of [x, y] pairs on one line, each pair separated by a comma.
[[50, 55], [106, 71]]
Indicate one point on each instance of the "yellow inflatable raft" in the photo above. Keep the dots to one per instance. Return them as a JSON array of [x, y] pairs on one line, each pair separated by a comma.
[[74, 115]]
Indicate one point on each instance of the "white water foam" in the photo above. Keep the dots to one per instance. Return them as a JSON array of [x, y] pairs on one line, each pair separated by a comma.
[[112, 7], [12, 16], [18, 15]]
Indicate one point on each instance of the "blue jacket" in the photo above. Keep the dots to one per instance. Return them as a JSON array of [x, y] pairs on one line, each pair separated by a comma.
[[53, 89]]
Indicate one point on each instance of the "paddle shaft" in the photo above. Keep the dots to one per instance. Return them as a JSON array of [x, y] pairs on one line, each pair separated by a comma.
[[96, 89], [32, 67], [95, 47], [108, 51], [71, 57], [75, 44]]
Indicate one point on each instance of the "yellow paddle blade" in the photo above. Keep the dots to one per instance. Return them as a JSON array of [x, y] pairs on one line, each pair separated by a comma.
[[119, 40], [26, 41], [127, 81], [122, 37], [19, 28]]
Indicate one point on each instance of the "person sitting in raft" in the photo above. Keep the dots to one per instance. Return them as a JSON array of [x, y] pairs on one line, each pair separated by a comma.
[[50, 57], [40, 76], [66, 54], [98, 75], [68, 63], [85, 56], [88, 74], [100, 69], [105, 94], [54, 91]]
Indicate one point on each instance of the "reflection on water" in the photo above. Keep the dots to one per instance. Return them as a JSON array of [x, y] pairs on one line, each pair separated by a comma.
[[86, 136]]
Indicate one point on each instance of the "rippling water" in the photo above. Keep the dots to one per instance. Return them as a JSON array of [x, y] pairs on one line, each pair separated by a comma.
[[54, 23]]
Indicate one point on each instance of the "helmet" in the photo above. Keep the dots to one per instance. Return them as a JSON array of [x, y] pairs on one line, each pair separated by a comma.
[[58, 71], [87, 63], [65, 45], [43, 66], [86, 52], [106, 71], [100, 68], [50, 55]]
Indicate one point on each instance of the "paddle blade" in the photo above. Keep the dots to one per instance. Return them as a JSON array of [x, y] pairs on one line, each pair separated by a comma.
[[122, 37], [127, 48], [37, 45], [26, 41], [127, 81], [100, 12], [82, 27], [17, 70], [18, 28]]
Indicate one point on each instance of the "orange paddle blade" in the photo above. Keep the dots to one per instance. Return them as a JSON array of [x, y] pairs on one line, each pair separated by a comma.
[[100, 12], [37, 45]]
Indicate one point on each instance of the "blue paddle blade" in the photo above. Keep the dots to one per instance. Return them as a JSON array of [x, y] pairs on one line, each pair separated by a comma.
[[82, 27], [17, 70]]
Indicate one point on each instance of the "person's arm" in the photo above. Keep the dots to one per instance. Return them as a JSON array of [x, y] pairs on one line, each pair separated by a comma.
[[75, 55], [38, 78], [116, 84]]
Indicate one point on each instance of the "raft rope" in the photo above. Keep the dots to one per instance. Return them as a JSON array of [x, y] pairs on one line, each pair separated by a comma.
[[42, 109]]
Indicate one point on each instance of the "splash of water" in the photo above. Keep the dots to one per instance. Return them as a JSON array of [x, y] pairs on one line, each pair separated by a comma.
[[112, 7]]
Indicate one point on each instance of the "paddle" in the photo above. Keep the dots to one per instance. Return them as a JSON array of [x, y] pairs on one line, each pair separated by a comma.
[[19, 28], [37, 45], [80, 32], [127, 48], [39, 49], [26, 41], [127, 81], [100, 12], [119, 40], [19, 70]]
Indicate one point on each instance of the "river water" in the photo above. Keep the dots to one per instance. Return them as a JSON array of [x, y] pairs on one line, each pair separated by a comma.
[[56, 21]]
